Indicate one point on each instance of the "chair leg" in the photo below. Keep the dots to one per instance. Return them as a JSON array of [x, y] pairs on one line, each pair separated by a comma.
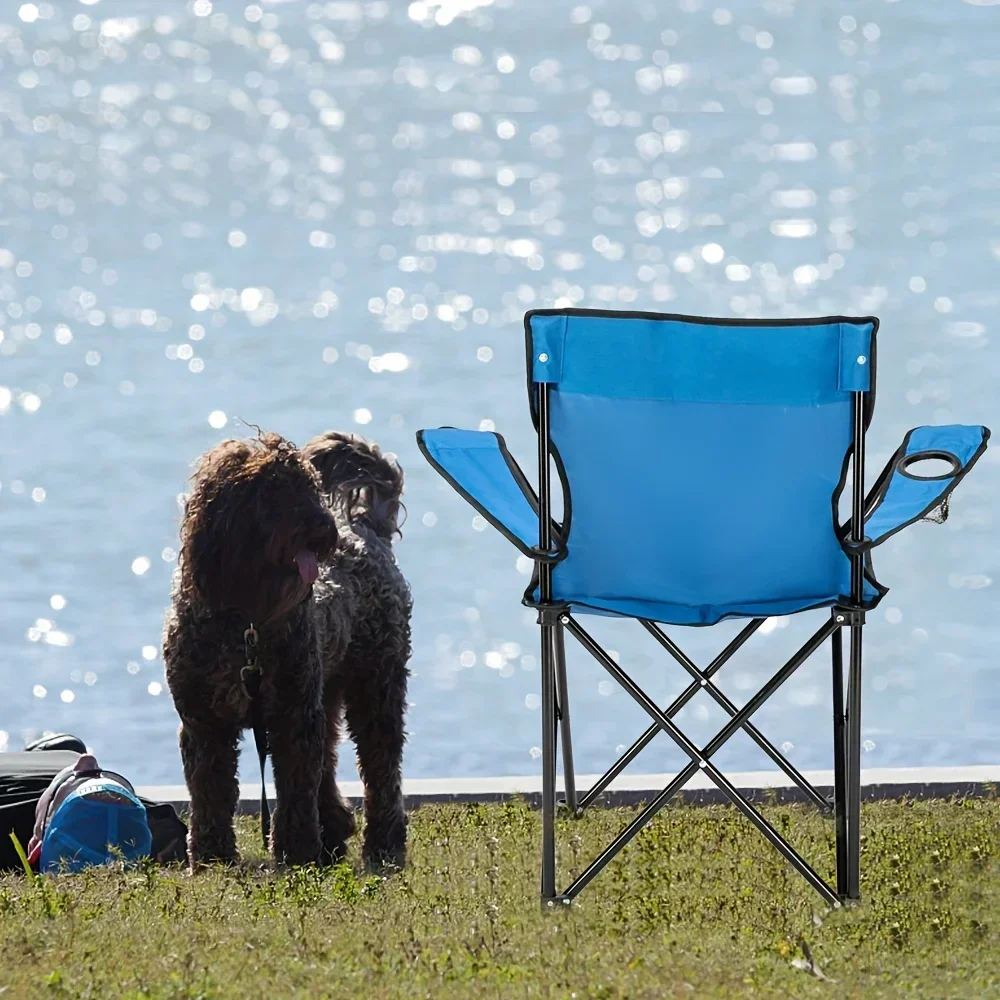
[[562, 708], [839, 762], [854, 767], [548, 765]]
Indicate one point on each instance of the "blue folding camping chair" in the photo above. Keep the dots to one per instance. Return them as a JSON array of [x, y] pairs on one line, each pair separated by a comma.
[[702, 463]]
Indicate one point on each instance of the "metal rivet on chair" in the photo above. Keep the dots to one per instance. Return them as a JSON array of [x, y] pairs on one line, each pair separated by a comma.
[[565, 619], [861, 359], [703, 763], [543, 358]]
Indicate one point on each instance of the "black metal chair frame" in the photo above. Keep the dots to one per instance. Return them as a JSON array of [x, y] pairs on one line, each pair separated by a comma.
[[556, 619]]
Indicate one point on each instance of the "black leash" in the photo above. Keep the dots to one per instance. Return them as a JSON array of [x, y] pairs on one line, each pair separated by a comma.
[[250, 676]]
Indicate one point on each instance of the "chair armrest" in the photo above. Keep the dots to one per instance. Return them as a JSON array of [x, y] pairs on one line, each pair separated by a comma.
[[479, 468], [900, 496]]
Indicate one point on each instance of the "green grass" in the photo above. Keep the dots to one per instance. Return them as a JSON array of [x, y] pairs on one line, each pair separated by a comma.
[[699, 906]]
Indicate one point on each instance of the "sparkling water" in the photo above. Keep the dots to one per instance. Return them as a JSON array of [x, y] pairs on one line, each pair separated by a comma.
[[313, 215]]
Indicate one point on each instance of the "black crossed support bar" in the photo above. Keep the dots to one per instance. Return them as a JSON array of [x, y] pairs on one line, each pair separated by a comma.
[[682, 699], [701, 759], [749, 728], [562, 720]]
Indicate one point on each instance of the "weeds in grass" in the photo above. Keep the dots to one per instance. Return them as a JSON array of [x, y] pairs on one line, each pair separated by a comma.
[[697, 906], [22, 856]]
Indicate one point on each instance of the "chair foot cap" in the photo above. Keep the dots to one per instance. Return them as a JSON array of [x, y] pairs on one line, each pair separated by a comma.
[[557, 902]]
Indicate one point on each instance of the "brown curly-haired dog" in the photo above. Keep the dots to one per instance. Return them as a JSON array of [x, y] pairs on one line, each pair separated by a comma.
[[298, 543]]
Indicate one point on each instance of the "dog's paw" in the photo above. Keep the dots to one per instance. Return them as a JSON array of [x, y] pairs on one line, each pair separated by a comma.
[[384, 860], [334, 851], [298, 855], [201, 860], [338, 826], [293, 852], [211, 846], [385, 845]]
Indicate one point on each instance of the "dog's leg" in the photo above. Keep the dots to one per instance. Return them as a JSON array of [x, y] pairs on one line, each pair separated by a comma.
[[209, 755], [376, 704], [336, 817], [297, 732]]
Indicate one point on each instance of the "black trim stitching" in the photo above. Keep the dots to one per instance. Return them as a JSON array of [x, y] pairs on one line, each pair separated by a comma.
[[840, 602], [528, 598], [877, 493], [843, 532], [870, 577], [702, 320], [519, 478]]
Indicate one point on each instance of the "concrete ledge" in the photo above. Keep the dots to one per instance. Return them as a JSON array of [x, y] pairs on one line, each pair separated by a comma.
[[629, 790]]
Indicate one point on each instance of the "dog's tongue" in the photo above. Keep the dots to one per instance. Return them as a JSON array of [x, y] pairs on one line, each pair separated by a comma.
[[308, 566]]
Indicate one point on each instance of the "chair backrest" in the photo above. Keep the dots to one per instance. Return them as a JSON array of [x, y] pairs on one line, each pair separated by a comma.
[[702, 460]]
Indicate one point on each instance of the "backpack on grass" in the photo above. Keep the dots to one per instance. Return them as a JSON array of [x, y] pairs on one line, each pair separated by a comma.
[[27, 777], [100, 821]]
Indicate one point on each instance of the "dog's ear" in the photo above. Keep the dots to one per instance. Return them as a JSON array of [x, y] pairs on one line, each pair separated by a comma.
[[256, 506], [360, 479], [213, 532]]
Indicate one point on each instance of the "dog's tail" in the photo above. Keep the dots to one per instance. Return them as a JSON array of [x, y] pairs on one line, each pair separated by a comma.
[[363, 483]]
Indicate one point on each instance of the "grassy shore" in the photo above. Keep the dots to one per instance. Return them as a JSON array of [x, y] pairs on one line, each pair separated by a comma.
[[699, 906]]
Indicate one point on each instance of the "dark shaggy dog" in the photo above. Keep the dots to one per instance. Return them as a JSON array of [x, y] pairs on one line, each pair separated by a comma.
[[298, 543]]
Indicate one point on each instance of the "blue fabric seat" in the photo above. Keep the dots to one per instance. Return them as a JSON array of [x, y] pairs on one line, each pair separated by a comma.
[[702, 464]]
